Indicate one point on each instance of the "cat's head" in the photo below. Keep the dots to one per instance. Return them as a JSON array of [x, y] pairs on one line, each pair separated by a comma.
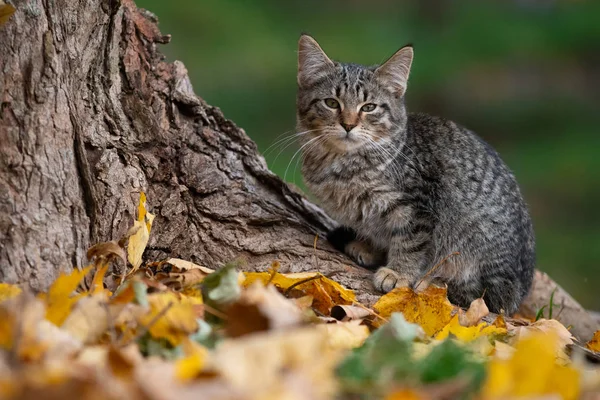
[[347, 106]]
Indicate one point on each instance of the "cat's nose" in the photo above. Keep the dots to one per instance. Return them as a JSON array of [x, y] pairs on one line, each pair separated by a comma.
[[347, 127]]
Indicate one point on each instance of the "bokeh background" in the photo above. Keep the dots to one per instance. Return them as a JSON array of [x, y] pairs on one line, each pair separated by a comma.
[[525, 75]]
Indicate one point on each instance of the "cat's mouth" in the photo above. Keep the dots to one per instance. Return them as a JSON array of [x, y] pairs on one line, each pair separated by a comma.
[[347, 141]]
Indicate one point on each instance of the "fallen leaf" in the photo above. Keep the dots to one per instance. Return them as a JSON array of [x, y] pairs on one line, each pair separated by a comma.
[[549, 327], [517, 376], [169, 318], [477, 310], [261, 308], [261, 365], [347, 313], [139, 240], [89, 319], [183, 265], [468, 333], [499, 322], [326, 293], [107, 250], [97, 286], [429, 308], [345, 335], [8, 291], [594, 343], [193, 363], [6, 10], [61, 297]]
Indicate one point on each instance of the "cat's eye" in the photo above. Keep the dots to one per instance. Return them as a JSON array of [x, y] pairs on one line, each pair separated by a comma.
[[368, 107], [332, 103]]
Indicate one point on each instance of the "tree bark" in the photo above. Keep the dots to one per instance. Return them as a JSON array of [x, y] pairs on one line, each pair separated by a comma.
[[91, 115]]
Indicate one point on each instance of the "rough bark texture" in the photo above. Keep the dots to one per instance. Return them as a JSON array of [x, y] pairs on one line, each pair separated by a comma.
[[91, 115]]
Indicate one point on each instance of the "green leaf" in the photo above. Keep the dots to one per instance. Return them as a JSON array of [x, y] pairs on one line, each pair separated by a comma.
[[220, 288], [449, 360], [384, 358]]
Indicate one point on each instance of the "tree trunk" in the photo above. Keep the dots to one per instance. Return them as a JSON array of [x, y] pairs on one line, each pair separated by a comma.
[[91, 115]]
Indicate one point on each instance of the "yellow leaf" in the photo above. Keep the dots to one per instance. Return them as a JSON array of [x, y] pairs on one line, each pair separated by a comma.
[[97, 286], [531, 371], [429, 308], [192, 364], [189, 367], [60, 297], [8, 291], [89, 319], [468, 333], [326, 293], [551, 327], [170, 317], [345, 335], [594, 344], [139, 240], [6, 10], [260, 365]]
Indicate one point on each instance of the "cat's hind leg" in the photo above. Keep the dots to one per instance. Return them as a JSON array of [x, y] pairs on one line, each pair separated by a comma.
[[361, 251]]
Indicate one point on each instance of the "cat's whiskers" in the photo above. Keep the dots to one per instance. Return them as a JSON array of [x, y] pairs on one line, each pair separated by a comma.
[[285, 140], [386, 157], [291, 141], [322, 137], [399, 152]]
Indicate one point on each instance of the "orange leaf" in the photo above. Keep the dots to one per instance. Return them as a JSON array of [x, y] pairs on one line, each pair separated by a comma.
[[594, 344]]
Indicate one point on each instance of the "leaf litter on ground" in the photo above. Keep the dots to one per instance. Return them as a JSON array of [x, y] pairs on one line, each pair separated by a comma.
[[172, 329]]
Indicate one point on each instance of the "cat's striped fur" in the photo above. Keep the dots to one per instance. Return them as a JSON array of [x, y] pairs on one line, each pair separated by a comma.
[[410, 189]]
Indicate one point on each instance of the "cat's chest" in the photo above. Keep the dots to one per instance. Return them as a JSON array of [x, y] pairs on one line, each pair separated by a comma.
[[359, 202]]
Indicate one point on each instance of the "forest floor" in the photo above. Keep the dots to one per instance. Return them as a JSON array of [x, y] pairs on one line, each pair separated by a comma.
[[172, 329]]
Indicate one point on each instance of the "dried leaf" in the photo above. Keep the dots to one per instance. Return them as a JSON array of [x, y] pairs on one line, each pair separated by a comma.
[[468, 333], [169, 318], [347, 313], [183, 265], [139, 240], [89, 319], [190, 366], [261, 308], [107, 250], [594, 344], [549, 327], [6, 10], [326, 293], [429, 308], [345, 335], [61, 297], [8, 291], [261, 365], [477, 310], [518, 376]]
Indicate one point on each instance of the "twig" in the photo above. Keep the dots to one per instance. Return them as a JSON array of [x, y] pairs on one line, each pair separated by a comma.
[[287, 291], [146, 328], [456, 253], [214, 311], [354, 303], [275, 269]]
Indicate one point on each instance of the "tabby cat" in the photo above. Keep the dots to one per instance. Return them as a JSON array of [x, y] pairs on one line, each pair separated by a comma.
[[410, 189]]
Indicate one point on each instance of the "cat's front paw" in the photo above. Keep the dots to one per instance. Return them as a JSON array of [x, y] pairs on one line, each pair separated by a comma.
[[386, 279], [364, 254]]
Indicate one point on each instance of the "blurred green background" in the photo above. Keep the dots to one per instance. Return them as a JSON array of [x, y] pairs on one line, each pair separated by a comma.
[[525, 75]]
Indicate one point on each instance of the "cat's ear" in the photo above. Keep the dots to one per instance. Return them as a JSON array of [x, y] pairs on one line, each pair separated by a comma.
[[394, 72], [313, 63]]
